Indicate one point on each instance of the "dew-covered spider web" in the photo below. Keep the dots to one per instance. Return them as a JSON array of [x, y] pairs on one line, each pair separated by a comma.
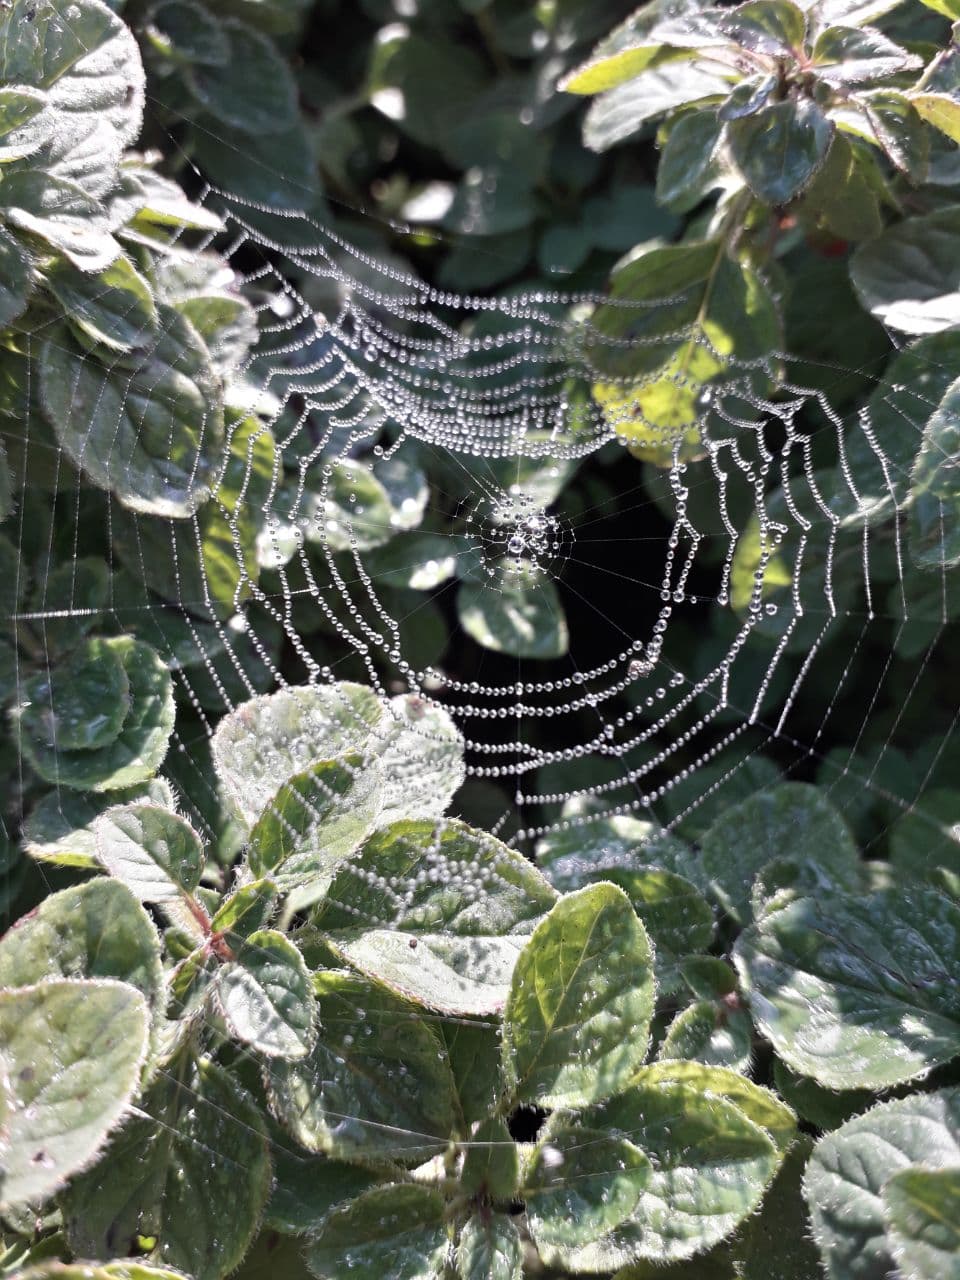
[[416, 507], [596, 594]]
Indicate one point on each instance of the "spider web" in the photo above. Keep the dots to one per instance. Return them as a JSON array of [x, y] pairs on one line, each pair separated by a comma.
[[716, 654], [479, 410]]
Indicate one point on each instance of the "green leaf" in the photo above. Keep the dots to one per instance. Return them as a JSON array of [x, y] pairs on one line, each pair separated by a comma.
[[849, 1168], [73, 1050], [909, 277], [767, 26], [922, 1211], [437, 911], [114, 307], [913, 384], [356, 512], [940, 110], [147, 426], [517, 611], [225, 322], [934, 536], [80, 706], [266, 741], [425, 85], [79, 590], [62, 215], [851, 55], [139, 748], [604, 71], [761, 1105], [266, 998], [21, 133], [125, 1269], [949, 8], [185, 34], [377, 1085], [420, 560], [156, 853], [776, 1241], [60, 828], [91, 930], [843, 195], [710, 1167], [623, 111], [823, 1108], [158, 202], [580, 1184], [473, 1048], [673, 911], [898, 128], [191, 1169], [927, 836], [491, 1164], [780, 148], [16, 279], [490, 1248], [708, 977], [278, 170], [252, 88], [420, 752], [207, 565], [711, 1032], [588, 846], [245, 911], [688, 168], [306, 1187], [576, 1021], [317, 818], [853, 991], [679, 316], [794, 819], [394, 1232], [87, 62]]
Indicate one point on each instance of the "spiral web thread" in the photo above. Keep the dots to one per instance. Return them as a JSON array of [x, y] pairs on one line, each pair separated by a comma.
[[381, 362], [355, 359]]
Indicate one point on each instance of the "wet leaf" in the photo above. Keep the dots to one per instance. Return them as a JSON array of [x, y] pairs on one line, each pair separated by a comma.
[[850, 1167], [437, 911], [581, 1183], [318, 817], [780, 148], [148, 425], [251, 88], [394, 1232], [91, 930], [265, 997], [576, 1021], [922, 1210], [156, 853], [855, 991], [711, 1165], [266, 741], [60, 1103], [490, 1248], [191, 1169], [137, 751], [517, 611], [113, 307], [377, 1085], [909, 276], [60, 828], [935, 488], [793, 820]]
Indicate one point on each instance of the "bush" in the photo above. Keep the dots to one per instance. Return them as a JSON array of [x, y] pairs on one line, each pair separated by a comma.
[[342, 940]]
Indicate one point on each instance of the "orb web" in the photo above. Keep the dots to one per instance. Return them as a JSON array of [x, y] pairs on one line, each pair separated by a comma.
[[429, 461]]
